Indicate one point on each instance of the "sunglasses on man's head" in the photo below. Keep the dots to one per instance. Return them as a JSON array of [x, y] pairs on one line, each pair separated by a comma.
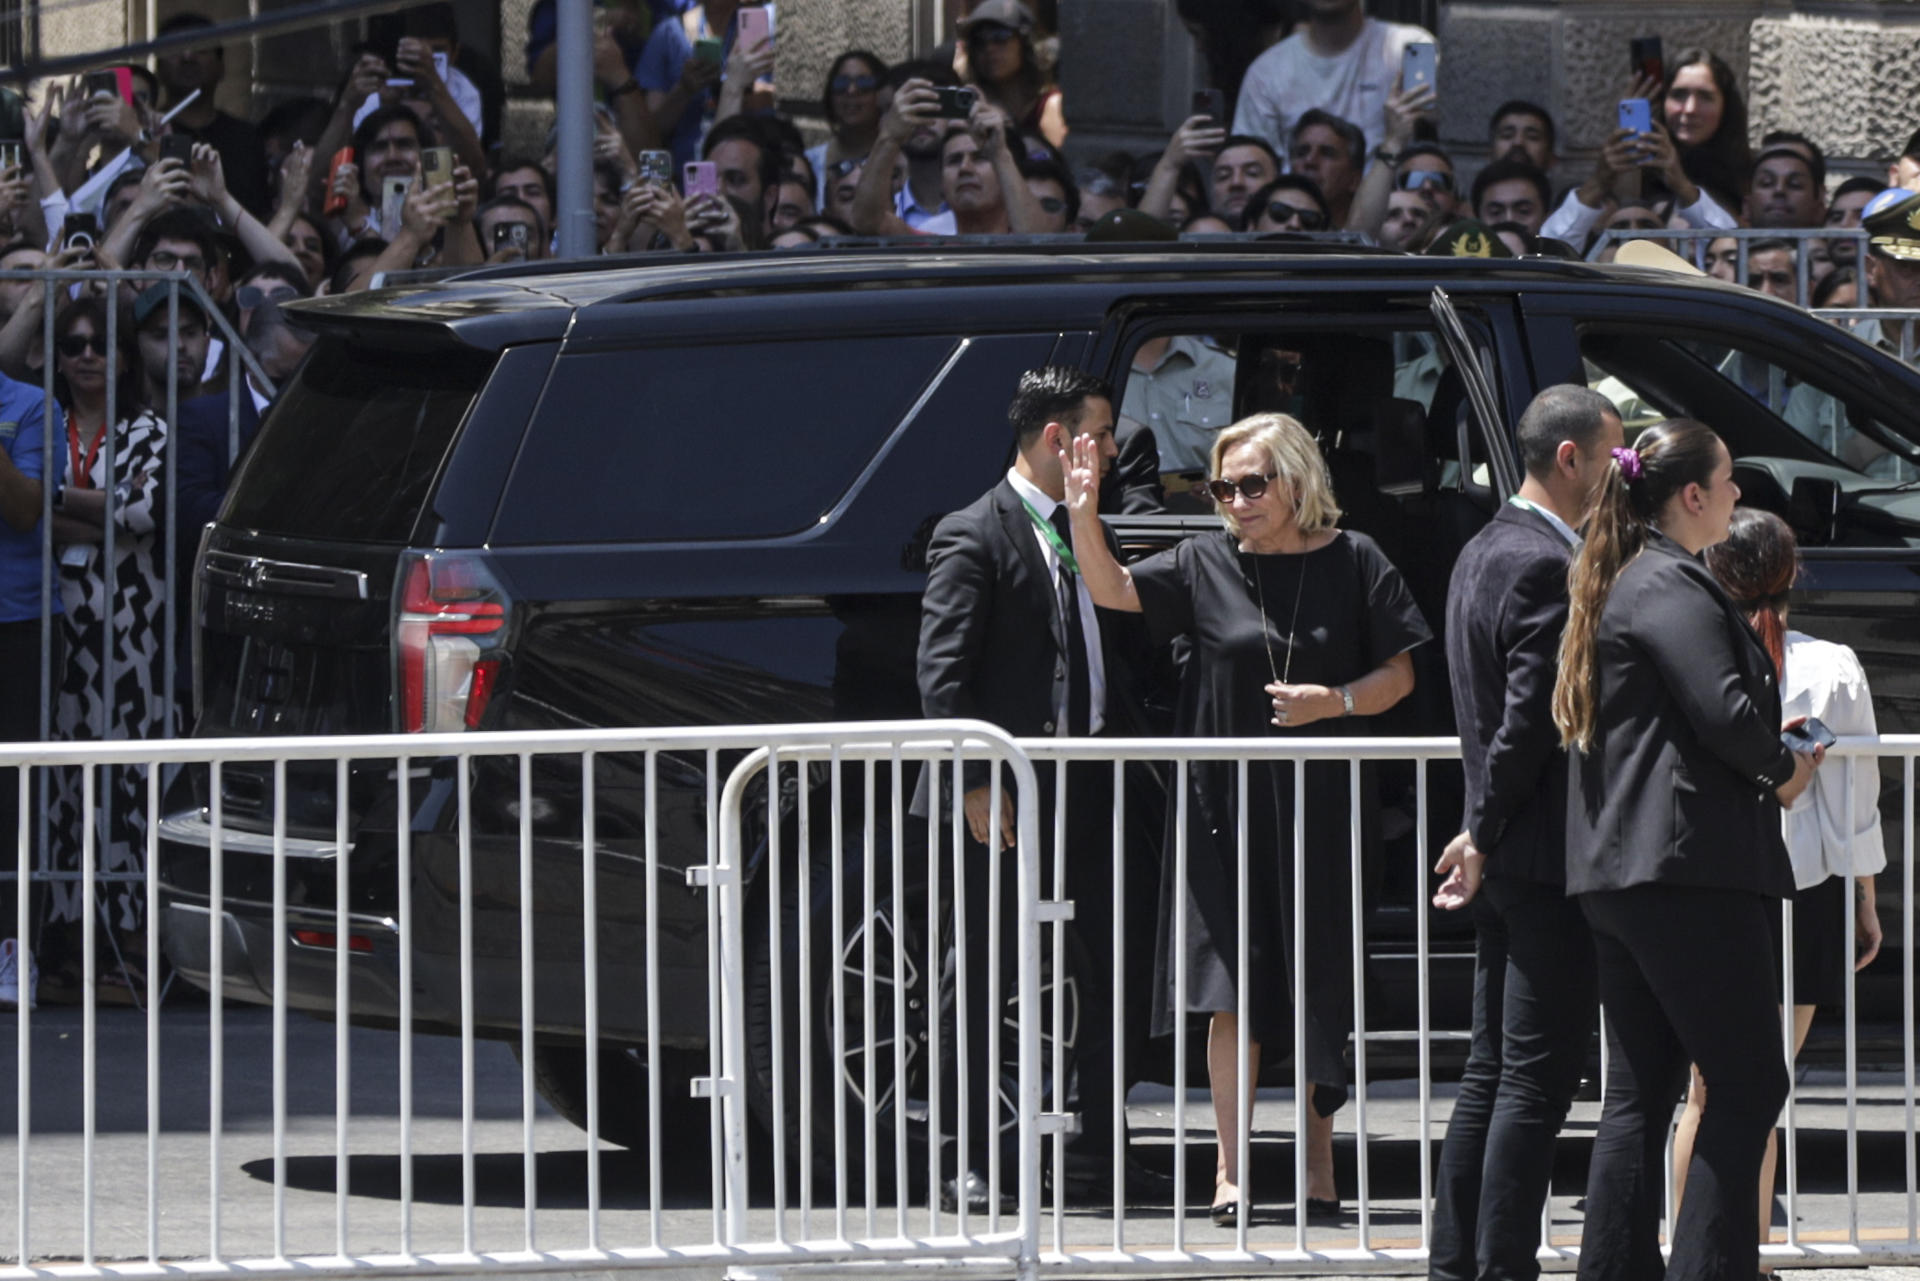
[[1249, 487], [854, 84], [1415, 179], [253, 296], [73, 346], [1310, 219]]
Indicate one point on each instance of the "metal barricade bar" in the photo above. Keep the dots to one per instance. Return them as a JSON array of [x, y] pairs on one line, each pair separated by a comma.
[[486, 1164], [1694, 242]]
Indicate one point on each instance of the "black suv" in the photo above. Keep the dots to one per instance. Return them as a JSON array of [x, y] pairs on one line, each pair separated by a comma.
[[698, 491]]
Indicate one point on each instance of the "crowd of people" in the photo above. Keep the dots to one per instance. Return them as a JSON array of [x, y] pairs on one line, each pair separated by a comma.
[[403, 167]]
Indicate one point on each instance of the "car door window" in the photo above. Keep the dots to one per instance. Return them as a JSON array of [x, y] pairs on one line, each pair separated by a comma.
[[1804, 444], [1644, 377], [674, 443]]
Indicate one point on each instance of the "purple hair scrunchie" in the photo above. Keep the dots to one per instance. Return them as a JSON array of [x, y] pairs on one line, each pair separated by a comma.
[[1629, 460]]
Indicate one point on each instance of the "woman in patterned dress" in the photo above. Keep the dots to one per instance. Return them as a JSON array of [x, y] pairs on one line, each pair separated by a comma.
[[112, 636]]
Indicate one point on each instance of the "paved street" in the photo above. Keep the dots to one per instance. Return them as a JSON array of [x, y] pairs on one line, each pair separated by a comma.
[[244, 1165]]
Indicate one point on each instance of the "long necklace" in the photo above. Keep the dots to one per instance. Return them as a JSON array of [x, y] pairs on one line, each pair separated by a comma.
[[1280, 676]]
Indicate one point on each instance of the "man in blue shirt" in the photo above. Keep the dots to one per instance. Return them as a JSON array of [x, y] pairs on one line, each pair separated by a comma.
[[22, 463]]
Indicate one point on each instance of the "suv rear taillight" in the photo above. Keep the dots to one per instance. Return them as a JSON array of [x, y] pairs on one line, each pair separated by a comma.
[[448, 641]]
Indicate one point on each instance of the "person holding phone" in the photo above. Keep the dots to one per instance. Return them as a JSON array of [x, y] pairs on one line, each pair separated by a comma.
[[1339, 60], [851, 104], [1668, 704], [186, 72], [1002, 64], [1833, 828]]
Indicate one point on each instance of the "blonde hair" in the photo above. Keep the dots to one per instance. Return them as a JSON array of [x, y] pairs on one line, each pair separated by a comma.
[[1296, 462]]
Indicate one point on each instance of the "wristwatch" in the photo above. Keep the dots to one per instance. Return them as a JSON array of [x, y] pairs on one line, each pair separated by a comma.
[[1346, 698], [1384, 156], [631, 86]]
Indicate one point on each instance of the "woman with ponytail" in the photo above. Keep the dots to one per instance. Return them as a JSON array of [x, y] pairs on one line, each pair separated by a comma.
[[1833, 829], [1669, 706]]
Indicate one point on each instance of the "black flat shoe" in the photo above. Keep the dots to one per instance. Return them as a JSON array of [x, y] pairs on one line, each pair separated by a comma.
[[972, 1188], [1324, 1210], [1225, 1213]]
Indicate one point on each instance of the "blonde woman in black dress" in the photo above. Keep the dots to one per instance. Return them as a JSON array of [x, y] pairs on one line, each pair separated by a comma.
[[1296, 627]]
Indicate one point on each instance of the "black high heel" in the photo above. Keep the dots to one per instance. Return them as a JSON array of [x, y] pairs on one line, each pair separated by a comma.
[[1224, 1213]]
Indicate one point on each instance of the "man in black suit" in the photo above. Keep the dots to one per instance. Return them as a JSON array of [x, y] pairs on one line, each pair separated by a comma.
[[1009, 634], [1533, 997]]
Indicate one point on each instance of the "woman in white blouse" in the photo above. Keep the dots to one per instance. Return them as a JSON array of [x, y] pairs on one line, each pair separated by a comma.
[[1833, 828]]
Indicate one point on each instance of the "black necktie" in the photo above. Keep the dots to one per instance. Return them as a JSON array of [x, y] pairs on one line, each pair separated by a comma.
[[1079, 681]]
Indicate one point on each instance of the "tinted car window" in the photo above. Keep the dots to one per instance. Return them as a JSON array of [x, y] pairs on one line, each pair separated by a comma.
[[708, 442], [353, 443]]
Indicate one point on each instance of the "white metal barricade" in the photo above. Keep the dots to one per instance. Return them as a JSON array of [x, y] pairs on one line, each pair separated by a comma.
[[195, 1141], [1693, 243], [1866, 1215], [797, 908]]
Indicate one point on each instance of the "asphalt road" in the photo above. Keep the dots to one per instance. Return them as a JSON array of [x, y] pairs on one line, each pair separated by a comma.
[[239, 1177]]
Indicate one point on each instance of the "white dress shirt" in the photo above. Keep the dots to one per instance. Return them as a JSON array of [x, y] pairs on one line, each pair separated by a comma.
[[1825, 680], [1089, 621]]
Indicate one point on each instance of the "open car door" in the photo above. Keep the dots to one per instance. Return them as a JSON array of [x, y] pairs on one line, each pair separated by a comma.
[[1503, 472]]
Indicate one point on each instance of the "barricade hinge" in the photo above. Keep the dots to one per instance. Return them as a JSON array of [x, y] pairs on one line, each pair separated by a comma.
[[706, 876], [712, 1087], [1064, 1123], [1048, 911]]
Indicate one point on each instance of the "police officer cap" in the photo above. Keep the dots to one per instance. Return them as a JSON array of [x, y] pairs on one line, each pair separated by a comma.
[[1892, 223], [1468, 238]]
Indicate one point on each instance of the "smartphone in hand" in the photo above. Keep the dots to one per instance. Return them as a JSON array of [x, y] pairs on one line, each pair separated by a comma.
[[1647, 59], [1212, 104], [79, 231], [700, 178], [177, 146], [755, 25], [1636, 116], [1419, 65], [1808, 735], [656, 167], [436, 166]]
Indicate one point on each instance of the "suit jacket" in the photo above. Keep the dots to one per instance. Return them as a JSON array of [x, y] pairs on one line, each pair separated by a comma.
[[203, 463], [1506, 610], [992, 642], [1677, 788]]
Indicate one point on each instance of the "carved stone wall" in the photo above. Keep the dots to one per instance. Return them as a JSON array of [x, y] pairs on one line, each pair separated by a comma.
[[1844, 76], [1845, 81]]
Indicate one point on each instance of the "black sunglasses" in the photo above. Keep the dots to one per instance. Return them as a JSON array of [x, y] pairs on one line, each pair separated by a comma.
[[74, 346], [854, 84], [1310, 219], [841, 168], [990, 33], [1053, 204], [1250, 487]]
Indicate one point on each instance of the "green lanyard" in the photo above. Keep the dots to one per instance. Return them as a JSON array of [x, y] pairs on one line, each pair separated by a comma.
[[1052, 535]]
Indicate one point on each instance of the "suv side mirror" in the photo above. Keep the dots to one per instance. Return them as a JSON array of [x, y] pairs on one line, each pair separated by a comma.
[[1813, 510]]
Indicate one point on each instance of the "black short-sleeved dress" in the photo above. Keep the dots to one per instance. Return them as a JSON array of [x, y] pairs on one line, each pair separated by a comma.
[[1354, 612]]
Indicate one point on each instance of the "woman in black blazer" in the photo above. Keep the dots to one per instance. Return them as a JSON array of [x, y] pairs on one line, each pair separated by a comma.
[[1673, 846]]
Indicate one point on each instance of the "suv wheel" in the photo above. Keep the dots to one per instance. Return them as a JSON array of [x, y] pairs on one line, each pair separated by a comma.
[[560, 1077]]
